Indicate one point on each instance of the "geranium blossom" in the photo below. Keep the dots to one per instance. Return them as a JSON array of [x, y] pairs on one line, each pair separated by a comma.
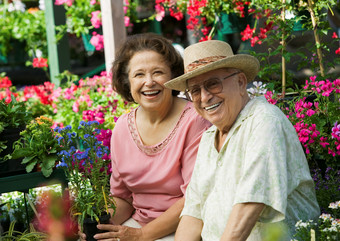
[[39, 63], [61, 2], [97, 41], [5, 82], [96, 19]]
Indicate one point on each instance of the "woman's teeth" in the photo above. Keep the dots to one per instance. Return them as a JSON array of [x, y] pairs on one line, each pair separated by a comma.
[[151, 92], [212, 106]]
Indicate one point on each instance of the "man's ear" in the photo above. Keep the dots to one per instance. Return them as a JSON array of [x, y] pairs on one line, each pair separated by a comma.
[[242, 80]]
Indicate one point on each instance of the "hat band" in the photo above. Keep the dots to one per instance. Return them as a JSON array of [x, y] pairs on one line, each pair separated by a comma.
[[202, 62]]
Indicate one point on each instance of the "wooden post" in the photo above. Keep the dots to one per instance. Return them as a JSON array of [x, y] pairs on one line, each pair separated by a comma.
[[283, 15], [316, 37], [113, 28], [58, 52]]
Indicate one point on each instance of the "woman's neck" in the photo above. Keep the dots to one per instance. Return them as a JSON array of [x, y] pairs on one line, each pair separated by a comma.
[[157, 116]]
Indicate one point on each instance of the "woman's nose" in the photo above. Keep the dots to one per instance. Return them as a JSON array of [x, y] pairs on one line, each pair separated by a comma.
[[149, 80]]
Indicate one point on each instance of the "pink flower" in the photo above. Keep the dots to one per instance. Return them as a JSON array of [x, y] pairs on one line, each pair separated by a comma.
[[93, 2], [160, 12], [310, 112], [96, 19], [126, 21], [61, 2], [97, 40], [334, 35], [323, 142]]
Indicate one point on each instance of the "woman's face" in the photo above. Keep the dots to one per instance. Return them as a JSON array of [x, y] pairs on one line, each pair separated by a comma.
[[148, 71], [223, 108]]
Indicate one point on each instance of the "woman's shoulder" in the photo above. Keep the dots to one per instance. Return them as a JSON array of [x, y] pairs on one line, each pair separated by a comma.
[[123, 121]]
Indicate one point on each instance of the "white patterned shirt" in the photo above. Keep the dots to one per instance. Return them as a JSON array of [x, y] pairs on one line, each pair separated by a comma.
[[261, 161]]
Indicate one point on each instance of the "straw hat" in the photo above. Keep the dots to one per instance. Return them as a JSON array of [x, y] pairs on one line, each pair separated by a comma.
[[205, 56]]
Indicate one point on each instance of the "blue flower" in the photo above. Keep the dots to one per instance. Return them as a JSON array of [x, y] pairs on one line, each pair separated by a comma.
[[61, 164], [60, 138], [86, 136], [82, 123], [57, 129], [93, 122]]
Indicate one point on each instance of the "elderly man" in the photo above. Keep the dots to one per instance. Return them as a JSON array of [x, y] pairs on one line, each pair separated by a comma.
[[251, 171]]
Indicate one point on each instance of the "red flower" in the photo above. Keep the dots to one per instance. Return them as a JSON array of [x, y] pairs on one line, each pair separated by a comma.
[[334, 35], [5, 82], [337, 51], [39, 62]]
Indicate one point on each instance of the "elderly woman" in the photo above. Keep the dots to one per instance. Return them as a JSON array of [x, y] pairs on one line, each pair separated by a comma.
[[154, 147], [251, 171]]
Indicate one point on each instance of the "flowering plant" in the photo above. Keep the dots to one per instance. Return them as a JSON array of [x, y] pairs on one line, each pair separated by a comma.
[[24, 24], [37, 146], [315, 115], [86, 163], [327, 227]]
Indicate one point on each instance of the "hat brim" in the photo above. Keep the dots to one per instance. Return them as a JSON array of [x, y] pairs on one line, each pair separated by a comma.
[[248, 64]]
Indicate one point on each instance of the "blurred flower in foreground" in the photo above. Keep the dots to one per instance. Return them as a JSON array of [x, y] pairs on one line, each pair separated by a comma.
[[54, 216]]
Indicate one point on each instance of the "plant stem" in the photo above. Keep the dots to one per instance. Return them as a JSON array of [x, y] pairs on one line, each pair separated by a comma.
[[316, 36], [283, 42]]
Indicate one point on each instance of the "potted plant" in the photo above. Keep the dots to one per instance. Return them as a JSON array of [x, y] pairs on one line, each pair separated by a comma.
[[86, 162], [37, 146], [13, 118]]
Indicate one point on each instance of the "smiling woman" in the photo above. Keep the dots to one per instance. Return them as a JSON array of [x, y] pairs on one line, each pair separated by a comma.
[[153, 148]]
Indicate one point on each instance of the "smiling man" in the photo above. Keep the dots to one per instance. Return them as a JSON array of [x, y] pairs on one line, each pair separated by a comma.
[[251, 171]]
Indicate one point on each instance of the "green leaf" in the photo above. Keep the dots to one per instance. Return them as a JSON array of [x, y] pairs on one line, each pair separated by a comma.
[[30, 166], [28, 159], [22, 152], [46, 172]]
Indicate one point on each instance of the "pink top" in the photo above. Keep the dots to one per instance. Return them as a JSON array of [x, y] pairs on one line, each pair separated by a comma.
[[155, 177]]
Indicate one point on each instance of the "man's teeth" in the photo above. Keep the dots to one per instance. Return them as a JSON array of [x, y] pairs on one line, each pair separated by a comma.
[[151, 92], [212, 106]]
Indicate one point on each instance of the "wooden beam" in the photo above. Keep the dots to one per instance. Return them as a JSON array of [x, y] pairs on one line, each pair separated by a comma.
[[113, 28], [58, 52]]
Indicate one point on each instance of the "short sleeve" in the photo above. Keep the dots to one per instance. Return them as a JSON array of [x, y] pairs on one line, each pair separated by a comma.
[[264, 177], [197, 126]]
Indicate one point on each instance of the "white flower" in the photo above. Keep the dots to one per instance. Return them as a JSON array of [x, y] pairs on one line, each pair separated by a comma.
[[16, 5], [326, 216], [334, 205], [42, 4]]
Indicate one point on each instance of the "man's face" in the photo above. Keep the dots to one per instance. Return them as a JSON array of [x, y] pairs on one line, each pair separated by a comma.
[[221, 109]]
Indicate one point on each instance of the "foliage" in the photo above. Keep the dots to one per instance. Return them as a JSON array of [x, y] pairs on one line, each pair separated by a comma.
[[23, 25], [28, 235], [327, 227], [87, 169], [78, 14], [13, 114], [327, 186], [13, 204], [38, 146]]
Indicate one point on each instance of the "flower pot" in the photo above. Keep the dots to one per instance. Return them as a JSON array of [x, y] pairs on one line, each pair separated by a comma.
[[90, 226], [13, 166]]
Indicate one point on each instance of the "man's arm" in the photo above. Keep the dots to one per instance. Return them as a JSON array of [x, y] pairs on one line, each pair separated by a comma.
[[242, 219], [189, 229]]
